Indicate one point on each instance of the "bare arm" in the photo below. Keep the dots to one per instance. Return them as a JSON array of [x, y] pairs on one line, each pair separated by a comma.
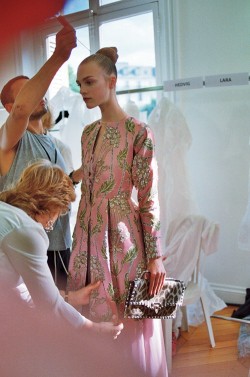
[[76, 175], [25, 249], [34, 90]]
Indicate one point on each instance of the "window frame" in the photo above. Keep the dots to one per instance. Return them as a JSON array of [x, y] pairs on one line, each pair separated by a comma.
[[162, 11]]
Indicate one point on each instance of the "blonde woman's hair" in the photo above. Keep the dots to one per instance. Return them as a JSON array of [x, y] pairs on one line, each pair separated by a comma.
[[42, 187], [106, 58]]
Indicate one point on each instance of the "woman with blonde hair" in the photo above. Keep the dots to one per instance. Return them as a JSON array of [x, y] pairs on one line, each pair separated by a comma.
[[27, 211]]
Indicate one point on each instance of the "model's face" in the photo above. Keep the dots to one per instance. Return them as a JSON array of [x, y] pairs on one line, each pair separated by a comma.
[[94, 85], [40, 110]]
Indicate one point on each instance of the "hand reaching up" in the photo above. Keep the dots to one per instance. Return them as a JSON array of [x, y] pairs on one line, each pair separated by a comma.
[[65, 39]]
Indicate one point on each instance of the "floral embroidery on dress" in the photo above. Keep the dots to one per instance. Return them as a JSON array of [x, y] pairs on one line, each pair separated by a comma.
[[148, 144], [97, 227], [143, 172], [121, 158], [80, 261], [113, 136], [82, 222], [130, 125], [150, 245], [96, 269], [107, 186], [118, 234], [120, 204]]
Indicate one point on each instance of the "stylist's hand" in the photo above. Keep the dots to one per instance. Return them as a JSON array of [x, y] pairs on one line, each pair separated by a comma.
[[110, 328], [82, 295], [104, 327], [157, 275], [65, 39]]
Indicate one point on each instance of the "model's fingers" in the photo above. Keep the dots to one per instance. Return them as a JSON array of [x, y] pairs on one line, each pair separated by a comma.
[[156, 283]]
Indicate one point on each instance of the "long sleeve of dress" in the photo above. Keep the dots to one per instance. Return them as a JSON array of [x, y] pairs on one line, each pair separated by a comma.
[[145, 178], [25, 249]]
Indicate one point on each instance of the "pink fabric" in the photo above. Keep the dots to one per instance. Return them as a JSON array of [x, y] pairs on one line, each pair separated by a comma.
[[142, 343], [113, 236]]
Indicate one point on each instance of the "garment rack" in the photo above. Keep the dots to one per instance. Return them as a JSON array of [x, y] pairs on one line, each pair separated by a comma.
[[152, 89], [140, 90]]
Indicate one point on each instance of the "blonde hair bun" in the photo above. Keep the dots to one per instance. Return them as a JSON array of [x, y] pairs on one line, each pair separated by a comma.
[[110, 52]]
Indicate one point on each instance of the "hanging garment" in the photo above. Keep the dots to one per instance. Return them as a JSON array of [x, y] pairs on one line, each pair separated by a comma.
[[132, 109], [186, 237], [172, 140]]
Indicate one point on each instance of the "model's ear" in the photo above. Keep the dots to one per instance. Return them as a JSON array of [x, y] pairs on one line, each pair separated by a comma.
[[112, 82], [8, 107]]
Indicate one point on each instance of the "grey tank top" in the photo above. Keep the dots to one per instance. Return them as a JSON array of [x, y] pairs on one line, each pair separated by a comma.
[[31, 148]]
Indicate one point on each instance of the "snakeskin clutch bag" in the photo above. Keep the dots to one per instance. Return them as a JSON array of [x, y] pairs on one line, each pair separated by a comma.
[[140, 305]]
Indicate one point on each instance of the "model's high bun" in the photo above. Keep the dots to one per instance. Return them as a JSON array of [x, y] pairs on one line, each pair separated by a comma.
[[110, 52], [106, 58]]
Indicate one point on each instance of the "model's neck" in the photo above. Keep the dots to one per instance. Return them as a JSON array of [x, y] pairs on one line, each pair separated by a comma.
[[112, 112], [115, 116]]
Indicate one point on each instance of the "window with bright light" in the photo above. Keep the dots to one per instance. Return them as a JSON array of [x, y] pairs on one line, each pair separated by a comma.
[[105, 2], [136, 63], [73, 6], [132, 31]]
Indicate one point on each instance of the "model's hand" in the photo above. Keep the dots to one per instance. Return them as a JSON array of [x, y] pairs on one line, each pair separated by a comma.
[[65, 40], [157, 275]]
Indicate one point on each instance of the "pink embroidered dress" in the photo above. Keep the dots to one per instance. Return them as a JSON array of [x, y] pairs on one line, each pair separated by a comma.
[[114, 237]]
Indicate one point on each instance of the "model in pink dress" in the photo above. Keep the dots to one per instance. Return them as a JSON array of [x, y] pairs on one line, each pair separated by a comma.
[[115, 239]]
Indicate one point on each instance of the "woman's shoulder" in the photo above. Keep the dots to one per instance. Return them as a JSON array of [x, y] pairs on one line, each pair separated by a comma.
[[87, 129], [139, 128], [141, 125], [13, 218]]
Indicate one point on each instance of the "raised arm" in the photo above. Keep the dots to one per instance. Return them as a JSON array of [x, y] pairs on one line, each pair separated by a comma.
[[34, 90]]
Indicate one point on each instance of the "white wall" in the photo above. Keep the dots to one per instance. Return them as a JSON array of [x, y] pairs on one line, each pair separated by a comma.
[[212, 37]]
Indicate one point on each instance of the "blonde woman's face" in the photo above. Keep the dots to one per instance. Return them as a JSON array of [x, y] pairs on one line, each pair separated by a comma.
[[94, 84], [51, 216]]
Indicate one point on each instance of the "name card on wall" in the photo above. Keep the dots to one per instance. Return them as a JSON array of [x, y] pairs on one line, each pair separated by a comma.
[[227, 79], [182, 84]]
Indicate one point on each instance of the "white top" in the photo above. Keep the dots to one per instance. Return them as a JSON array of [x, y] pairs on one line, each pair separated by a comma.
[[23, 263]]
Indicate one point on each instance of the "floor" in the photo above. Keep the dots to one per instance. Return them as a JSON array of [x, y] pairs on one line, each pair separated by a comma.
[[195, 357]]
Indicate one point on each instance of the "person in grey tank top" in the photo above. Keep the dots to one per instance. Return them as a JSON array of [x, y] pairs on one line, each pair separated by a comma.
[[22, 141]]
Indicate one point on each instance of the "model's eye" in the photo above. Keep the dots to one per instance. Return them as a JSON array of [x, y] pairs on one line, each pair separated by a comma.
[[89, 82]]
